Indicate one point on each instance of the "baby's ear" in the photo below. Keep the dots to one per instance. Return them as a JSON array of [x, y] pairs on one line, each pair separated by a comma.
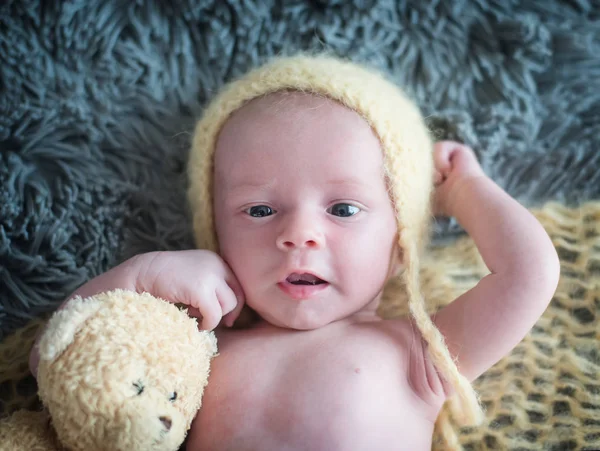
[[64, 325]]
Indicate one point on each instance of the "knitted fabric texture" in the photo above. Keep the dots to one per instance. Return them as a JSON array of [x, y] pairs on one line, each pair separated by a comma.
[[408, 165]]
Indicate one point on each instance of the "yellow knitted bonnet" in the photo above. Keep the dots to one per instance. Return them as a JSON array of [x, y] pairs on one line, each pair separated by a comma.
[[408, 161]]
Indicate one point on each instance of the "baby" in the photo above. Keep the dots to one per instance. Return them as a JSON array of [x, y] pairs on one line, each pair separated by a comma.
[[313, 213]]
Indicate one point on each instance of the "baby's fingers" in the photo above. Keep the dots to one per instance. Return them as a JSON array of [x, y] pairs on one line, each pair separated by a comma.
[[205, 305], [464, 159], [240, 298], [231, 304], [211, 316], [208, 320], [442, 156]]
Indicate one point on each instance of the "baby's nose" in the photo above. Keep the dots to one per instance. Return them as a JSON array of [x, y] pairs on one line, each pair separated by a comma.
[[289, 245], [303, 234]]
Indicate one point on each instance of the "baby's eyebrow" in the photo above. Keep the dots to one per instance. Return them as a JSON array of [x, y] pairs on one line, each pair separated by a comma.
[[250, 184], [347, 181], [266, 185]]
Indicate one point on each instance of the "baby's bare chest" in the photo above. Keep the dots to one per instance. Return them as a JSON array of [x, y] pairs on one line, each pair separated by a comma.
[[276, 390]]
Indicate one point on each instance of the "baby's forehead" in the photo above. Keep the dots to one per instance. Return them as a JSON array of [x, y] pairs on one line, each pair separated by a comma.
[[291, 126], [288, 111], [287, 103]]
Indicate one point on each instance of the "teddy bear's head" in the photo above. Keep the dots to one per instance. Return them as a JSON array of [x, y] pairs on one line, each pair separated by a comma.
[[123, 371]]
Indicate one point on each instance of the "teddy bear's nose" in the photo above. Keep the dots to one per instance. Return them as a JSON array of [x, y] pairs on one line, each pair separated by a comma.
[[166, 421]]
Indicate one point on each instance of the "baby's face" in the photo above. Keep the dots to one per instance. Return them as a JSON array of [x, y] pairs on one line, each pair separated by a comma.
[[301, 209]]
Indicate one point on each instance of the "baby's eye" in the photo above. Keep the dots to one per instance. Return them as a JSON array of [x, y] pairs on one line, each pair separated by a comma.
[[343, 210], [260, 211]]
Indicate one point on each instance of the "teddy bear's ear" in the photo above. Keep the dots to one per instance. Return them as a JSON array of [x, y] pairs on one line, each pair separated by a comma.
[[64, 325]]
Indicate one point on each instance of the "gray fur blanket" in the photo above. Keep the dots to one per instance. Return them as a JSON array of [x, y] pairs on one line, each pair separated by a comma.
[[98, 99]]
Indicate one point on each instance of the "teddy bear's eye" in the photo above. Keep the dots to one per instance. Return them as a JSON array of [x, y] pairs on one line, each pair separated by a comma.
[[139, 387], [173, 396]]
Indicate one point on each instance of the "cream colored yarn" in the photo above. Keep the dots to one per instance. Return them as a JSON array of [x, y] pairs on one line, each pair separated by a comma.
[[407, 148]]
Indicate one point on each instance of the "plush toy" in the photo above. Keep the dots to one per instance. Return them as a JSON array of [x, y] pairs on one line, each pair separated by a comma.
[[117, 371]]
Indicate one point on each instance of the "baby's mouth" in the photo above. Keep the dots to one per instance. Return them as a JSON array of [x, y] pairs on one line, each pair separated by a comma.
[[302, 286], [304, 279]]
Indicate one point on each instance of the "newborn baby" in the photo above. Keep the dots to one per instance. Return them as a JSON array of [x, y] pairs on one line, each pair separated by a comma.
[[309, 229]]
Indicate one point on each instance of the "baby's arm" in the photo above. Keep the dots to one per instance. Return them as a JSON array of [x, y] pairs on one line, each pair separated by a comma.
[[199, 279], [488, 321]]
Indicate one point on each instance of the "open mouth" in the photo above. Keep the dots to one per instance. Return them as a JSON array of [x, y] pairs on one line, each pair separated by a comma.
[[304, 279], [303, 286]]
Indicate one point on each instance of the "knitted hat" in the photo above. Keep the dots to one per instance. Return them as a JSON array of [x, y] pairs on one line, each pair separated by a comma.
[[408, 163]]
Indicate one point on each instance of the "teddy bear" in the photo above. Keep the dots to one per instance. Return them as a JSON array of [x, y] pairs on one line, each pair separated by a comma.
[[117, 371]]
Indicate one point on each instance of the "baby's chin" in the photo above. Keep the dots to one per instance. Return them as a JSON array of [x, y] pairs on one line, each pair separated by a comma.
[[296, 322]]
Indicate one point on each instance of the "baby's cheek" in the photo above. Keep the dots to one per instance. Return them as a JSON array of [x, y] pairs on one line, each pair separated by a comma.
[[235, 244], [247, 261], [366, 257]]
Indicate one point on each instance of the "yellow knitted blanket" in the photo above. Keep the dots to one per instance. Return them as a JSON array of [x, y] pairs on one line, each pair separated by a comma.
[[545, 395]]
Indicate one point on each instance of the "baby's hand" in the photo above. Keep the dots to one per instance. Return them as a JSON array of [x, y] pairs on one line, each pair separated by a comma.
[[455, 163], [199, 279]]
